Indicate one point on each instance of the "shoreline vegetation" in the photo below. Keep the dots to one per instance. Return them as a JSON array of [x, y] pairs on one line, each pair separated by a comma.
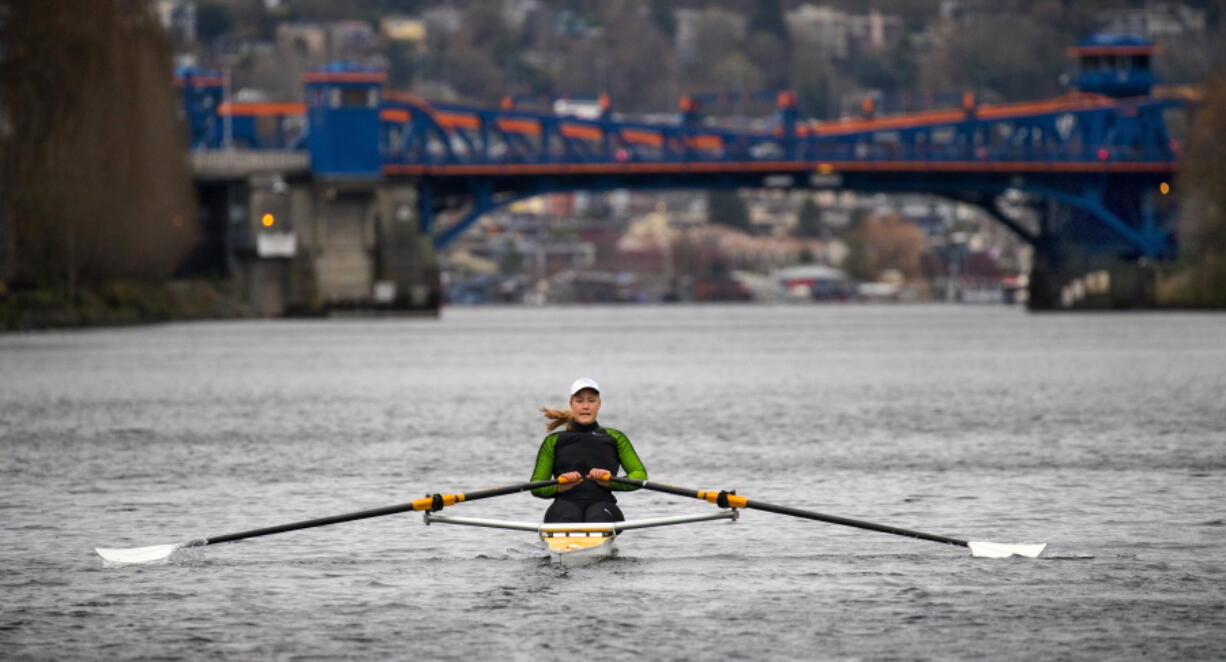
[[120, 303], [127, 303]]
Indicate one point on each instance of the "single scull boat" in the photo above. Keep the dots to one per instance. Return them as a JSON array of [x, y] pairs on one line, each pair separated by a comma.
[[568, 544]]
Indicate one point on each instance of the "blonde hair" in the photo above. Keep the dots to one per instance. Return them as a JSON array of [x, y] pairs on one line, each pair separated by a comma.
[[558, 418]]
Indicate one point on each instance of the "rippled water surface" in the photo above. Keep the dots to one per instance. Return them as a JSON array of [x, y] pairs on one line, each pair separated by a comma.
[[1103, 435]]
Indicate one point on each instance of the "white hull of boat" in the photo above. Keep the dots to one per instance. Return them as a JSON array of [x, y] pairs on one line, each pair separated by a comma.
[[571, 550], [583, 543]]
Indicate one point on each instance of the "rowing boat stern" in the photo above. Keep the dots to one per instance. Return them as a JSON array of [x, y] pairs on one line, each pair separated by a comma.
[[572, 549]]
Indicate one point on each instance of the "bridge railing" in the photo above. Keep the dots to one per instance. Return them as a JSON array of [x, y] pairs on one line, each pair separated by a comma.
[[1101, 133], [1083, 129]]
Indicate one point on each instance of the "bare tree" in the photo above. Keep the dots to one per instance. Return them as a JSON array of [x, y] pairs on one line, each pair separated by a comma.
[[1201, 278], [103, 190]]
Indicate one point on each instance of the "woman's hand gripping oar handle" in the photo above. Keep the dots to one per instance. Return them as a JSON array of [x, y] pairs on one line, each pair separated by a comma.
[[726, 499], [429, 502]]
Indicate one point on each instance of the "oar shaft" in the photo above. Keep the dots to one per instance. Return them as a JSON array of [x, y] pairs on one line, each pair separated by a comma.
[[737, 501], [847, 521], [311, 523], [424, 503]]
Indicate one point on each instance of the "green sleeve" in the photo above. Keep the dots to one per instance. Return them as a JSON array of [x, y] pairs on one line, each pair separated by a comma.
[[629, 459], [544, 468]]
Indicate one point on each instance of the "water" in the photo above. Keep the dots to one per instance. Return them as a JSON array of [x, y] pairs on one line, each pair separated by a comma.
[[1103, 435]]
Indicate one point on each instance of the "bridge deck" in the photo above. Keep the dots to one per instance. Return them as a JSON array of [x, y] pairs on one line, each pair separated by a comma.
[[241, 163]]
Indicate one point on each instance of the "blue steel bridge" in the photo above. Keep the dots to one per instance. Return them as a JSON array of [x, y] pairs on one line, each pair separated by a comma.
[[1104, 157], [1100, 158]]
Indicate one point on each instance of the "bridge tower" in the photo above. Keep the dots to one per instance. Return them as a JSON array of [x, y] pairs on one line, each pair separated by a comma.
[[1073, 241], [1115, 65], [343, 103], [359, 235], [307, 224]]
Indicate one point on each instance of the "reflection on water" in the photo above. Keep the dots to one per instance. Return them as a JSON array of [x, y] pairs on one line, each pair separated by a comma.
[[1103, 435]]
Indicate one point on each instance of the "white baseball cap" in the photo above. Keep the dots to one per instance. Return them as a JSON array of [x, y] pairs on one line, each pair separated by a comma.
[[582, 383]]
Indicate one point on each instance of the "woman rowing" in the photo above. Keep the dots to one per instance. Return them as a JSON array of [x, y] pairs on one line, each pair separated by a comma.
[[585, 455]]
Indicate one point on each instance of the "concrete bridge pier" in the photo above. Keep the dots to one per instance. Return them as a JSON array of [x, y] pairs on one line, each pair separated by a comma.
[[359, 248], [1045, 275], [404, 259], [298, 244], [1077, 266], [1061, 280]]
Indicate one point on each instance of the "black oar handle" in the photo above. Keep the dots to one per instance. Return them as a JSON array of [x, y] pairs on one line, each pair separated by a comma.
[[432, 502], [735, 501]]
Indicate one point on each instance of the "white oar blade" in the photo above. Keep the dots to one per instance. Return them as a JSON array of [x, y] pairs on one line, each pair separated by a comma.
[[150, 554], [996, 550]]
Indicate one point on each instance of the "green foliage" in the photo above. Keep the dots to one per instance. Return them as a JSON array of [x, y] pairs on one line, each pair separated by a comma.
[[726, 208], [858, 218], [739, 72], [813, 97], [765, 50], [767, 16], [403, 63], [663, 18], [1005, 50], [809, 222], [119, 302], [212, 20], [877, 71], [486, 29], [511, 261], [1028, 68], [857, 263]]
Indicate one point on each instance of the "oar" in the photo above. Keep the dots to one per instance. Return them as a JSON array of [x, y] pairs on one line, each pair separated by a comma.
[[729, 500], [431, 502]]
